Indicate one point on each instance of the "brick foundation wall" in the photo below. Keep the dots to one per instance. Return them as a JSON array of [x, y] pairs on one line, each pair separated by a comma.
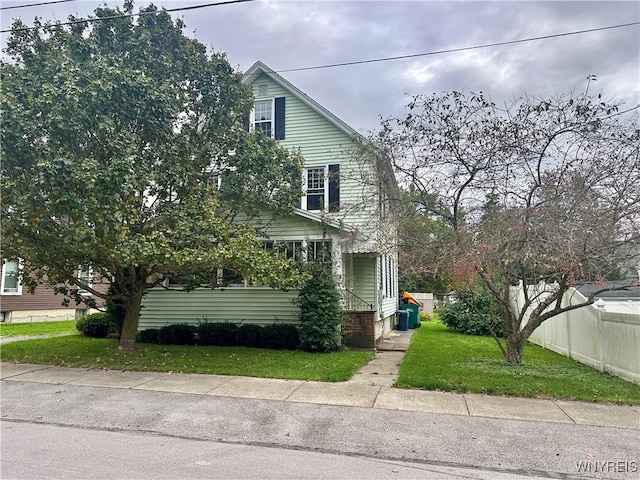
[[359, 329]]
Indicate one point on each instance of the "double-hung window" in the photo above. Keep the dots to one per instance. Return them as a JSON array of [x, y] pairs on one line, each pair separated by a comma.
[[268, 117], [322, 188], [319, 251], [10, 278], [263, 116], [316, 191], [290, 249]]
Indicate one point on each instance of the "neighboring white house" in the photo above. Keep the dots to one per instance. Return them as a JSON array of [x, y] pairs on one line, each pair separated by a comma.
[[344, 212]]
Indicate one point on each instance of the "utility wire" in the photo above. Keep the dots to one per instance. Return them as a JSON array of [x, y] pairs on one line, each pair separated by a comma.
[[35, 4], [342, 64], [128, 15], [451, 50]]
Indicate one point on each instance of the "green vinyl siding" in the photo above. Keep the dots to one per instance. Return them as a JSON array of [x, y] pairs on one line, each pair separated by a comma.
[[364, 278], [389, 307], [323, 143], [246, 305], [288, 226]]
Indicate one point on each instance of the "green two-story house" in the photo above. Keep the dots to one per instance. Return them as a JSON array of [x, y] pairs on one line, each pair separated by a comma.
[[345, 213]]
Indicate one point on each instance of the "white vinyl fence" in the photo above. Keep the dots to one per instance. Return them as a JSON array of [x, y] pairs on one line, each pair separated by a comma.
[[606, 340]]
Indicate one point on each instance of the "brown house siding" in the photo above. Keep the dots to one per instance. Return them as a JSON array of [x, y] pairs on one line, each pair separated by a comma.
[[42, 299]]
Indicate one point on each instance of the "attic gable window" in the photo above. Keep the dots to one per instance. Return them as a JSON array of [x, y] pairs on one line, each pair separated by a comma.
[[268, 116], [263, 116]]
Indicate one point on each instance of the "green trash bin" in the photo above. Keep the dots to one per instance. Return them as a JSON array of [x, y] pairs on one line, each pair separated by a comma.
[[414, 314]]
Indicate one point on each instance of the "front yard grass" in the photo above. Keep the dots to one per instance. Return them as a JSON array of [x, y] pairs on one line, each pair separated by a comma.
[[440, 359], [37, 328], [80, 351]]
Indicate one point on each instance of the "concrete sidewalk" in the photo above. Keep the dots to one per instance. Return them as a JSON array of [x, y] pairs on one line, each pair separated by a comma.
[[371, 388]]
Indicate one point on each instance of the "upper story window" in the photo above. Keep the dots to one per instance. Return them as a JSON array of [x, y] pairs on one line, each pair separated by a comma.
[[316, 191], [10, 278], [263, 119], [268, 116], [322, 188]]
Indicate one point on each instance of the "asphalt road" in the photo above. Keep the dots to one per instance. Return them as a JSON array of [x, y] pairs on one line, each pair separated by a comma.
[[33, 450], [66, 431]]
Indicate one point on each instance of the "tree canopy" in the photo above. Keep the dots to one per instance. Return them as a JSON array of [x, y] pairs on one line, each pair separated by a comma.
[[543, 193], [123, 151]]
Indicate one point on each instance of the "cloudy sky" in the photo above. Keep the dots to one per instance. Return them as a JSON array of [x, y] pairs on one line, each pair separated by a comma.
[[290, 35]]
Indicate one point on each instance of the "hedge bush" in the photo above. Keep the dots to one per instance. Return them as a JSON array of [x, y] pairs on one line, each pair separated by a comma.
[[150, 335], [250, 335], [97, 325], [224, 334], [220, 334], [471, 311], [281, 336], [178, 334]]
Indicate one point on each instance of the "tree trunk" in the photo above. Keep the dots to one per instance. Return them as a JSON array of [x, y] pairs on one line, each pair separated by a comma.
[[515, 347], [130, 324]]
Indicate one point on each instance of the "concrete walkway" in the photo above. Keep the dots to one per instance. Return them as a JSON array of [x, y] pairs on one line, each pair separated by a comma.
[[371, 387]]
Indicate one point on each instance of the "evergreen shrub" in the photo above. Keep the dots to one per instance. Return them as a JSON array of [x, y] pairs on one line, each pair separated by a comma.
[[280, 336], [472, 310], [150, 335], [177, 334], [250, 335], [221, 334], [96, 325], [321, 312]]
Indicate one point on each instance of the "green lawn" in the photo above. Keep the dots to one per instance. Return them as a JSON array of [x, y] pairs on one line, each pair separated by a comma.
[[37, 328], [439, 359], [80, 351]]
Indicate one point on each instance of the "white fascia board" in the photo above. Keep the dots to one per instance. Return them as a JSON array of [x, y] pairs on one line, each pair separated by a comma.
[[322, 219]]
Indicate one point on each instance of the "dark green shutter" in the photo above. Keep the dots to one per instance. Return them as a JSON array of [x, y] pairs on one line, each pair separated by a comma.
[[279, 118], [334, 188]]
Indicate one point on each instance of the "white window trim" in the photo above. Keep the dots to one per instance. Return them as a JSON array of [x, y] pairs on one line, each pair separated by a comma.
[[82, 291], [252, 122], [4, 272], [303, 203]]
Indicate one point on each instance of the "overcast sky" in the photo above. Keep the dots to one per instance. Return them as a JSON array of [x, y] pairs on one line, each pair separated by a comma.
[[296, 34]]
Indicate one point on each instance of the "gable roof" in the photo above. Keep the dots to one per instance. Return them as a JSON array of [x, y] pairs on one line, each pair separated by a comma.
[[260, 68]]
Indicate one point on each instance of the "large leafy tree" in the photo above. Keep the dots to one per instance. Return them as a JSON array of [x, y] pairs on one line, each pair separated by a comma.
[[422, 269], [123, 150], [543, 194]]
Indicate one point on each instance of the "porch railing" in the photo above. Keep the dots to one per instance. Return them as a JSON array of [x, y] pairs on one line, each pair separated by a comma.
[[352, 301]]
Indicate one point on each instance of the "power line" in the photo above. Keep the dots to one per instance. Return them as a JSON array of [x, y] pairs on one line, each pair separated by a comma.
[[452, 50], [129, 15], [35, 4], [342, 64]]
